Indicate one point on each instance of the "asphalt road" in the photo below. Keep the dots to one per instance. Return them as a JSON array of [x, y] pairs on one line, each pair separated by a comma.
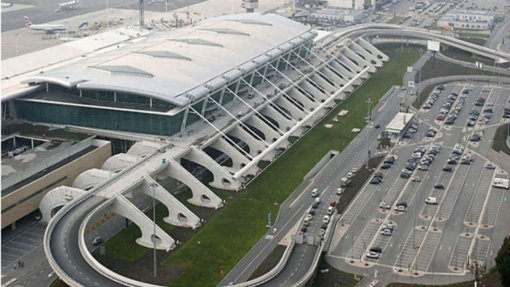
[[44, 11], [326, 181], [464, 222]]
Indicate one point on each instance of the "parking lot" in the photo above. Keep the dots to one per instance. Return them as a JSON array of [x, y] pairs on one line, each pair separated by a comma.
[[435, 192]]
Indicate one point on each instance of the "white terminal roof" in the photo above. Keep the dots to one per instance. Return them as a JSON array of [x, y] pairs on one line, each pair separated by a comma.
[[399, 122], [184, 64]]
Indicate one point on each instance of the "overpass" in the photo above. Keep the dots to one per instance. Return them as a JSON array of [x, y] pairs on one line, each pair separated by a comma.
[[338, 63]]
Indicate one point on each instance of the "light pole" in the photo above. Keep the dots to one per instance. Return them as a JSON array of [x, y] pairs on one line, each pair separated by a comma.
[[152, 186], [369, 120]]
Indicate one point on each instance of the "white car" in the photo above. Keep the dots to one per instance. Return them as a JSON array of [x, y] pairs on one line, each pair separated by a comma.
[[339, 191], [325, 219], [373, 255], [350, 175], [386, 232], [431, 200], [315, 192], [384, 205], [416, 179]]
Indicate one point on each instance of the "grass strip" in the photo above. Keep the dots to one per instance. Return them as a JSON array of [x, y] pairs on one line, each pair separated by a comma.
[[224, 240]]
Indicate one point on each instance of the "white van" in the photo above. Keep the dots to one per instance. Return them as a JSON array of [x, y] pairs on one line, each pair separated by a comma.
[[315, 192], [431, 200], [330, 210], [500, 183]]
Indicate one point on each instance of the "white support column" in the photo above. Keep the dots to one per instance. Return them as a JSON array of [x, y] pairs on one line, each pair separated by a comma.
[[291, 107], [219, 131], [184, 120], [255, 111], [315, 92], [238, 159], [329, 71], [202, 195], [353, 66], [178, 213], [229, 113], [311, 65], [123, 207], [270, 134], [280, 92], [360, 50], [363, 63], [342, 70], [327, 63], [55, 198], [369, 47], [270, 112], [307, 102], [285, 137], [329, 88], [255, 144], [222, 178]]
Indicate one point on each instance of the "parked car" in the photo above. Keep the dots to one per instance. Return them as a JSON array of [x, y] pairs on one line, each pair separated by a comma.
[[384, 205], [386, 232]]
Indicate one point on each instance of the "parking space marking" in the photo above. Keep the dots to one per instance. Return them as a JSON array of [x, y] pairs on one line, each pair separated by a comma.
[[357, 205], [406, 257], [477, 200], [22, 244], [427, 250], [493, 205], [459, 256], [450, 199], [364, 239], [395, 190], [481, 249]]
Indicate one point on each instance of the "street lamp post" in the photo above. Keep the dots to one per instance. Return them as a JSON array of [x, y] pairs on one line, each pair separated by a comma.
[[152, 186]]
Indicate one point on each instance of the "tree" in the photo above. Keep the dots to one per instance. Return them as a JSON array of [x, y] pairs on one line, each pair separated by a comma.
[[503, 262]]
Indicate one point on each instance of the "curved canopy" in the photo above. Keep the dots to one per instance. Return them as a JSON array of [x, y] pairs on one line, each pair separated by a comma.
[[170, 66]]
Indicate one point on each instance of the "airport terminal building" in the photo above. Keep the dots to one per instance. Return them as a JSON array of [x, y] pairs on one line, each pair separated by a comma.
[[223, 95], [159, 84]]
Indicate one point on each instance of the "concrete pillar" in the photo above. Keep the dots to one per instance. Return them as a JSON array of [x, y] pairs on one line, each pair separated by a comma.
[[308, 104], [369, 47], [222, 178], [360, 50], [325, 84], [284, 123], [312, 90], [349, 63], [362, 63], [256, 145], [178, 213], [342, 70], [327, 70], [55, 198], [238, 158], [123, 207], [202, 195], [269, 133]]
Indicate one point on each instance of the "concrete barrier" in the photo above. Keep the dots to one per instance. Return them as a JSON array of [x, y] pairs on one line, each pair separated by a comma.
[[271, 274], [98, 266]]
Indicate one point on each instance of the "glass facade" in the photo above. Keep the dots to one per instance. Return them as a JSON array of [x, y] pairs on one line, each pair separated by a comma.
[[131, 120], [99, 118]]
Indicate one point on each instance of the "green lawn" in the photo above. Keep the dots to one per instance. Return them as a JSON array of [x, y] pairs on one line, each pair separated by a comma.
[[499, 142], [230, 234]]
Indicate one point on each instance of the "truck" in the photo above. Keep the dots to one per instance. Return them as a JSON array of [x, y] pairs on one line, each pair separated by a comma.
[[345, 181], [500, 183]]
